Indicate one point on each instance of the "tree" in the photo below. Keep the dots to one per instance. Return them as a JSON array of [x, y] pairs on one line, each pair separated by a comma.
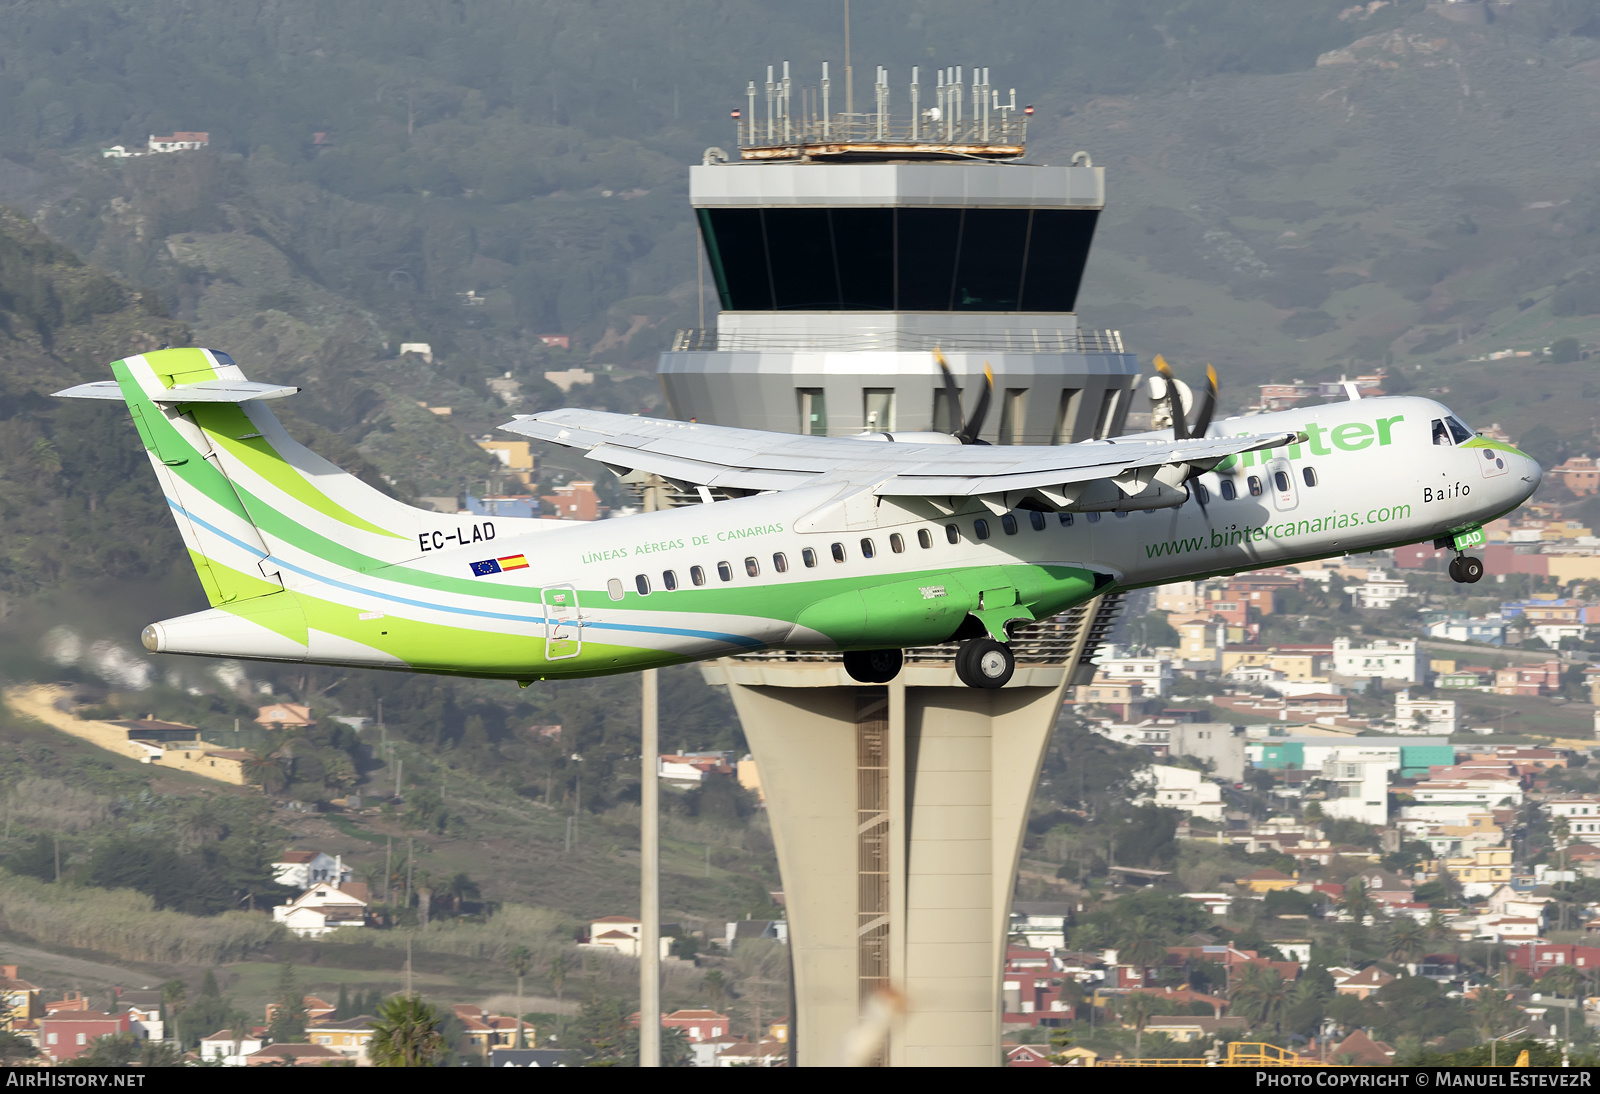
[[1136, 1010], [341, 1009], [406, 1034], [519, 960], [289, 1015], [1564, 351], [1260, 995], [1494, 1013], [1407, 940], [461, 888], [1141, 945], [1357, 902], [209, 1012], [560, 963], [715, 985]]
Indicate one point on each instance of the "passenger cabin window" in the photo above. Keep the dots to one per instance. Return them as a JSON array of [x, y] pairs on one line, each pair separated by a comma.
[[1255, 486], [808, 556], [1065, 518], [642, 583], [752, 567], [1280, 479], [1009, 523], [1441, 435], [780, 562], [1092, 518], [1229, 491], [924, 538], [1309, 474], [614, 589], [838, 552], [669, 580], [868, 549], [1121, 514], [1201, 494], [724, 571], [980, 528], [952, 533], [897, 543], [1036, 519], [697, 574]]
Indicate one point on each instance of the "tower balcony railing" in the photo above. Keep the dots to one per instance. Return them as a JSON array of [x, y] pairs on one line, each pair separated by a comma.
[[1008, 340], [1002, 136]]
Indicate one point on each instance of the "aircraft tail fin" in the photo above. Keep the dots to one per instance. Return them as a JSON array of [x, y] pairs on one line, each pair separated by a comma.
[[255, 507]]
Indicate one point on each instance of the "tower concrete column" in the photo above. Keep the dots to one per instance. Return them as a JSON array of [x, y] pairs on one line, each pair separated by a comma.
[[898, 813]]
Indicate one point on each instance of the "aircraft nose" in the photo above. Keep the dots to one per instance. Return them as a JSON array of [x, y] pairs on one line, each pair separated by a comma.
[[1533, 475]]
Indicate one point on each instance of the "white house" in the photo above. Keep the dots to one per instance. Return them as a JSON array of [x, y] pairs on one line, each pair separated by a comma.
[[1378, 592], [1423, 715], [221, 1046], [1389, 658], [620, 934], [178, 142], [303, 869], [1185, 789], [1155, 673], [323, 909], [1583, 815], [1360, 790]]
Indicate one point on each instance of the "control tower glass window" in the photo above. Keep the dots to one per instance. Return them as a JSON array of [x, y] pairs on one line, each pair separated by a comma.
[[813, 412], [878, 408], [779, 259]]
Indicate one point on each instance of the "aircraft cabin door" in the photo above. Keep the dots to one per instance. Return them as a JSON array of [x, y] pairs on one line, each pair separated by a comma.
[[563, 623], [1280, 481]]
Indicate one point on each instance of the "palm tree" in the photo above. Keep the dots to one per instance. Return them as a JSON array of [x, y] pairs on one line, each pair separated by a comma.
[[406, 1034], [519, 960], [1260, 995], [715, 985], [461, 888], [1141, 945], [1437, 928], [1137, 1009], [1357, 901], [558, 972], [1407, 941], [267, 771], [1493, 1013]]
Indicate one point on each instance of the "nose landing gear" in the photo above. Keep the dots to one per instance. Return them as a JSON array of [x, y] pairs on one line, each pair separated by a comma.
[[985, 663], [1466, 570]]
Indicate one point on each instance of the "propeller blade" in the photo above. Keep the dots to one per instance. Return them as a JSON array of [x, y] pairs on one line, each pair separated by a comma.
[[969, 435], [1208, 404], [1180, 427], [952, 393]]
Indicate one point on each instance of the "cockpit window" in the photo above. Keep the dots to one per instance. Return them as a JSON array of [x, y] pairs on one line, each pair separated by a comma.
[[1441, 435], [1458, 430]]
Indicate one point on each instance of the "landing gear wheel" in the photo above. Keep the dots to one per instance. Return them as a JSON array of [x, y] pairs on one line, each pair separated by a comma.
[[1471, 569], [985, 663], [873, 666], [1455, 571]]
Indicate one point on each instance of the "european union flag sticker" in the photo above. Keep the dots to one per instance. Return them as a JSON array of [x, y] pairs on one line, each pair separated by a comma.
[[486, 567]]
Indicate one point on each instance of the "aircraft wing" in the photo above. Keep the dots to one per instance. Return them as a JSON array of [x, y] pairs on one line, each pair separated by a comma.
[[749, 459]]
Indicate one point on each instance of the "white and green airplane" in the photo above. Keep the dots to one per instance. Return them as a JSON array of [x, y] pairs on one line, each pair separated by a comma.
[[865, 545]]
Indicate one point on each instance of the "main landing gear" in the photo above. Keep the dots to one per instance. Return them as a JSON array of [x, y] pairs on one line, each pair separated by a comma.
[[1466, 570], [985, 663], [873, 666]]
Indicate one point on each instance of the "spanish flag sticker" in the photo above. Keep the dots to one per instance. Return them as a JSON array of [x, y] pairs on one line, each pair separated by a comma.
[[499, 565]]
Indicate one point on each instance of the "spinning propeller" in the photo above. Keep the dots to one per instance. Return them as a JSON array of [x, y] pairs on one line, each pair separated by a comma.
[[965, 431], [1174, 396]]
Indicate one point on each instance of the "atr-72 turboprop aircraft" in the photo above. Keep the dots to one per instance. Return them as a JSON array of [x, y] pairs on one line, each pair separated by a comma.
[[865, 545]]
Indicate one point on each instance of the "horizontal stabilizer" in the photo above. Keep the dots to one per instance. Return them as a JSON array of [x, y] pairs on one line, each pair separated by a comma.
[[100, 389], [207, 391]]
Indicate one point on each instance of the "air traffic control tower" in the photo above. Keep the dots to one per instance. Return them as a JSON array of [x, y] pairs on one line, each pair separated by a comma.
[[845, 249]]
